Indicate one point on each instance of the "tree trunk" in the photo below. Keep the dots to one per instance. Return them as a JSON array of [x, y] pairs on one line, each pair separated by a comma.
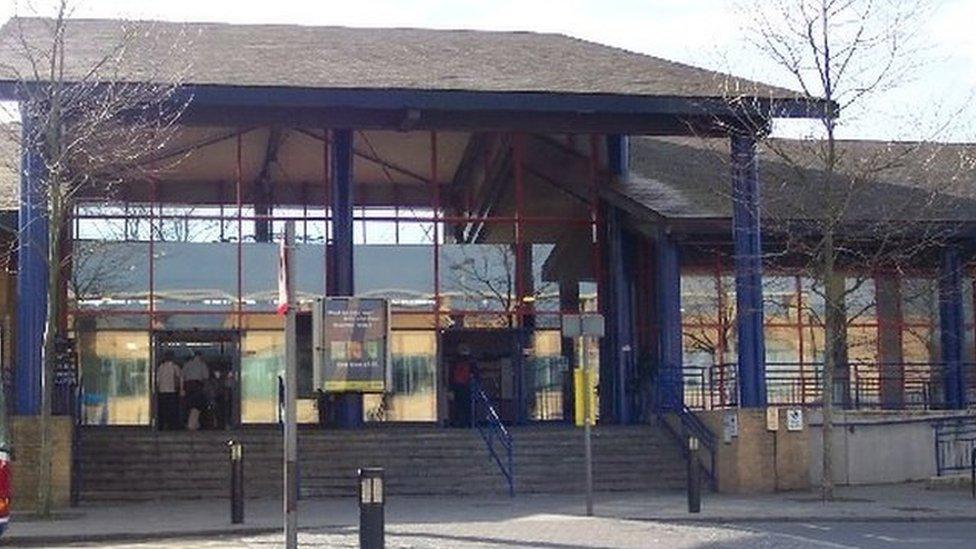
[[49, 353], [834, 326]]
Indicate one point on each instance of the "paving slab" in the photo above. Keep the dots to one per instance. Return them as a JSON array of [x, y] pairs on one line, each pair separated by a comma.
[[207, 518]]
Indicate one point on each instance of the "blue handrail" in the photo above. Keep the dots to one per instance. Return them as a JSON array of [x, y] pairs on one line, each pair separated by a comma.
[[485, 418]]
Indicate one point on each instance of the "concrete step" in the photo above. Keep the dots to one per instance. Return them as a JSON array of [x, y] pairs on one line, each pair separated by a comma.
[[134, 464]]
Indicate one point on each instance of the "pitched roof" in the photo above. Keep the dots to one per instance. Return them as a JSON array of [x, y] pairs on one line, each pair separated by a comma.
[[369, 58], [689, 178]]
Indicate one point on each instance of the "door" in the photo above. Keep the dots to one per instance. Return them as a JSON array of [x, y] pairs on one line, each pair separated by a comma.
[[220, 352], [497, 362]]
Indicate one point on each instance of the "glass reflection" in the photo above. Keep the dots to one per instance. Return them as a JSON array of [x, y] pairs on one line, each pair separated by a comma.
[[477, 277], [110, 275], [114, 376], [413, 395]]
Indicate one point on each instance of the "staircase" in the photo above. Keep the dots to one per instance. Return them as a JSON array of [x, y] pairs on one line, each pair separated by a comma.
[[120, 463]]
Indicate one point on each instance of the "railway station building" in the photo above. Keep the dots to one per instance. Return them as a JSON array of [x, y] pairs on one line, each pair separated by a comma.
[[486, 184]]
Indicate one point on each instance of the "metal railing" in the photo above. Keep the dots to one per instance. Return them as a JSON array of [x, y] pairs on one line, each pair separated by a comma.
[[690, 425], [498, 440], [905, 385], [955, 444]]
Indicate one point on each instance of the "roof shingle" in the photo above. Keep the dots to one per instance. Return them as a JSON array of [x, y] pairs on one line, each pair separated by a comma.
[[370, 58]]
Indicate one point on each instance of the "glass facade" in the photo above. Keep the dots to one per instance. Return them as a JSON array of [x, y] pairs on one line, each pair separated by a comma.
[[892, 339], [115, 375], [501, 253]]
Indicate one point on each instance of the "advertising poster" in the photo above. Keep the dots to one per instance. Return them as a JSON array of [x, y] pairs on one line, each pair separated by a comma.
[[352, 354]]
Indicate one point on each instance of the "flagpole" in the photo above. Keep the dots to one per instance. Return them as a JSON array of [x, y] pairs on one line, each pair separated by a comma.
[[291, 385]]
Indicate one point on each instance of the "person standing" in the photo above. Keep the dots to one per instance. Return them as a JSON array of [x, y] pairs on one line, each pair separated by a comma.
[[195, 376], [461, 372], [169, 385]]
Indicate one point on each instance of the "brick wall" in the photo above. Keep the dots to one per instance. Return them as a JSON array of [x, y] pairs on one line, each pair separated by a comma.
[[25, 431], [759, 460]]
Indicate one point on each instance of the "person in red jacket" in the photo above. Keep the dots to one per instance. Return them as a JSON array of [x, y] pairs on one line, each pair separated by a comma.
[[461, 372]]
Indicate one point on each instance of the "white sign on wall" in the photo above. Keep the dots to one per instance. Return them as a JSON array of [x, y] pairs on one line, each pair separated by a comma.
[[772, 419], [794, 419], [730, 426]]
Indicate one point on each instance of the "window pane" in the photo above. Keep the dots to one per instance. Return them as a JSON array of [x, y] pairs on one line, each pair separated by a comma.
[[114, 375], [919, 301], [860, 300], [862, 344], [547, 372], [919, 344], [404, 274], [260, 280], [782, 345], [195, 275], [779, 299], [413, 396], [814, 304], [545, 276], [477, 277], [110, 275], [262, 363]]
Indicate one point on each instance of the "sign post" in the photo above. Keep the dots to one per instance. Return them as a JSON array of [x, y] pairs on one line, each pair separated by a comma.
[[580, 327], [286, 305]]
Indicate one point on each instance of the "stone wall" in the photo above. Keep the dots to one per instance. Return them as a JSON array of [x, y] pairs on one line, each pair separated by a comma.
[[873, 447], [759, 460], [25, 432]]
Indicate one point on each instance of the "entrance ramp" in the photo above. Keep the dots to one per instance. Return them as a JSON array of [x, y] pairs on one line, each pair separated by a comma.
[[121, 463]]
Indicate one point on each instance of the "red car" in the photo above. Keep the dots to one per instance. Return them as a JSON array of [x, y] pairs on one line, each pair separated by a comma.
[[4, 489]]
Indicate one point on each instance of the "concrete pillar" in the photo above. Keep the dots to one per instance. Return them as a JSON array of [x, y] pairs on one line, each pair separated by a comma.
[[349, 406], [952, 327], [746, 234], [32, 227], [890, 356], [670, 382]]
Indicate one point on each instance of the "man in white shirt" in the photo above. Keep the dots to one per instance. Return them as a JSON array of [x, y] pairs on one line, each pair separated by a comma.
[[169, 384], [195, 375]]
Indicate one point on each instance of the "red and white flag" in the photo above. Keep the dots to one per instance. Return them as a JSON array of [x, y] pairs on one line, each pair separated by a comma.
[[283, 281]]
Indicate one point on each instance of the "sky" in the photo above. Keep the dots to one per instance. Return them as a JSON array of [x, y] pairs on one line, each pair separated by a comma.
[[938, 102]]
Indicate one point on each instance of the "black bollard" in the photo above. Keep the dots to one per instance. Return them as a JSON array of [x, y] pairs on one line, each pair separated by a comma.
[[972, 472], [236, 482], [371, 501], [694, 477]]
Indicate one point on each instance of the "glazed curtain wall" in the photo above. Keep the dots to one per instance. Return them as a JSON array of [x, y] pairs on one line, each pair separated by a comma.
[[892, 338], [488, 254]]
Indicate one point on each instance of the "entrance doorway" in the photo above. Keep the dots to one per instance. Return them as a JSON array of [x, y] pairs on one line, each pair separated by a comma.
[[216, 398], [494, 356]]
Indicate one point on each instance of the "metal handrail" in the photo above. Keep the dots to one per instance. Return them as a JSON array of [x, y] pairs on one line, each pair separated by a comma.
[[78, 411], [484, 417], [691, 425], [955, 443], [917, 385]]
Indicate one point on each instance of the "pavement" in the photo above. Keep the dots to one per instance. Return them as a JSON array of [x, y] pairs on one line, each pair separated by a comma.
[[490, 515]]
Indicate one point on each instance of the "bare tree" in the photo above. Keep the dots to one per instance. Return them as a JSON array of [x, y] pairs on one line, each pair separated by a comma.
[[88, 122], [879, 207]]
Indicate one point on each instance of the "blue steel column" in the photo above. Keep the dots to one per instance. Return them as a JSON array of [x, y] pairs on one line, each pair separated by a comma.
[[748, 272], [32, 228], [667, 286], [952, 327], [349, 406], [619, 344]]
